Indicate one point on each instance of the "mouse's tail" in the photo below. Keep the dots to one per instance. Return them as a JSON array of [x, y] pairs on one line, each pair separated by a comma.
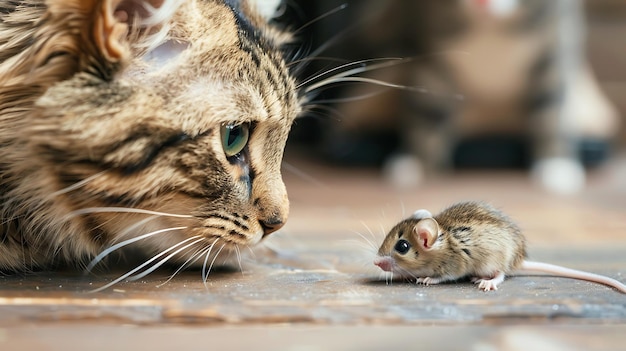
[[571, 273]]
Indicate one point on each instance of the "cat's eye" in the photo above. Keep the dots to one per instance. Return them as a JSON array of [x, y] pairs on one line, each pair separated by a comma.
[[234, 138], [402, 246]]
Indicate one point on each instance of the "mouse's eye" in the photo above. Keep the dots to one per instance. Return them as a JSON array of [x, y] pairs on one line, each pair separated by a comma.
[[402, 246]]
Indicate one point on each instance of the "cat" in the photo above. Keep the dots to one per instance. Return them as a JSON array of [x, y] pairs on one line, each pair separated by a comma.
[[154, 124]]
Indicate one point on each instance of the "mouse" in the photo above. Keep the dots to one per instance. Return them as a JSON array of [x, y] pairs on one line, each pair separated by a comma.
[[469, 239]]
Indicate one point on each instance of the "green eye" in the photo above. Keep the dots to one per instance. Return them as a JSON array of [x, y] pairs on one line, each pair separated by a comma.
[[234, 138]]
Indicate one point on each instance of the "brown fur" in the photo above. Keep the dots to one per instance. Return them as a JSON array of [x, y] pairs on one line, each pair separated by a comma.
[[87, 122]]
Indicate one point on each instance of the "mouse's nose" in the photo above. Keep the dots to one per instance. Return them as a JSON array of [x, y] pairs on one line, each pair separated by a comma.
[[385, 263], [271, 225]]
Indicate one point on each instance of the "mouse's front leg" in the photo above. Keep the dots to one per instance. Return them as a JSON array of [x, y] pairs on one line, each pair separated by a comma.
[[436, 280], [487, 284], [429, 281]]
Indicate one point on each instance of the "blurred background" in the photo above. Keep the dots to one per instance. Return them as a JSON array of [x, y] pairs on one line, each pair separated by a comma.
[[414, 89]]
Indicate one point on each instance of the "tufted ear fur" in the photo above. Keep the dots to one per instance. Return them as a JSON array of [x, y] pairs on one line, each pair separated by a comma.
[[427, 232], [267, 8]]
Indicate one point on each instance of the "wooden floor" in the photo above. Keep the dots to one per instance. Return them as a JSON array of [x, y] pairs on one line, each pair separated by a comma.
[[312, 286]]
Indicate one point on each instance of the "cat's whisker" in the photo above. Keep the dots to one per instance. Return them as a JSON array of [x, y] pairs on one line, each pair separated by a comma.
[[361, 67], [140, 267], [309, 110], [238, 253], [321, 17], [192, 258], [169, 257], [295, 50], [126, 231], [77, 185], [205, 274], [333, 40], [251, 251], [213, 262], [90, 210], [119, 245], [351, 98], [335, 80], [133, 227], [350, 76], [343, 70], [318, 58]]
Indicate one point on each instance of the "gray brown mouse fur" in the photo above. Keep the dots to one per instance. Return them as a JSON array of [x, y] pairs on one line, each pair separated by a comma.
[[468, 239]]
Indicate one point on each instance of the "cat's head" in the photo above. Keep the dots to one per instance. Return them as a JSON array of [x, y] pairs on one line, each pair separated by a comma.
[[171, 118]]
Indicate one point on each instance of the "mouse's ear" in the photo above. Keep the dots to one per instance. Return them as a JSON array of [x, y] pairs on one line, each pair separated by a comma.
[[421, 214], [427, 232]]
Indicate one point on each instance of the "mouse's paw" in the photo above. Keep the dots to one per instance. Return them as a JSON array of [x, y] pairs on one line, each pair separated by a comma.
[[428, 281], [488, 284]]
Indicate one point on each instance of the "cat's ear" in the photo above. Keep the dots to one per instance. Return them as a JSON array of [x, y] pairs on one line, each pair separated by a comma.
[[111, 26], [426, 232], [267, 8], [116, 19]]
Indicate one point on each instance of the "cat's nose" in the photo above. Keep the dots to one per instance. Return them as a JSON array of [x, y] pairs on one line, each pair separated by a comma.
[[271, 204], [271, 224]]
